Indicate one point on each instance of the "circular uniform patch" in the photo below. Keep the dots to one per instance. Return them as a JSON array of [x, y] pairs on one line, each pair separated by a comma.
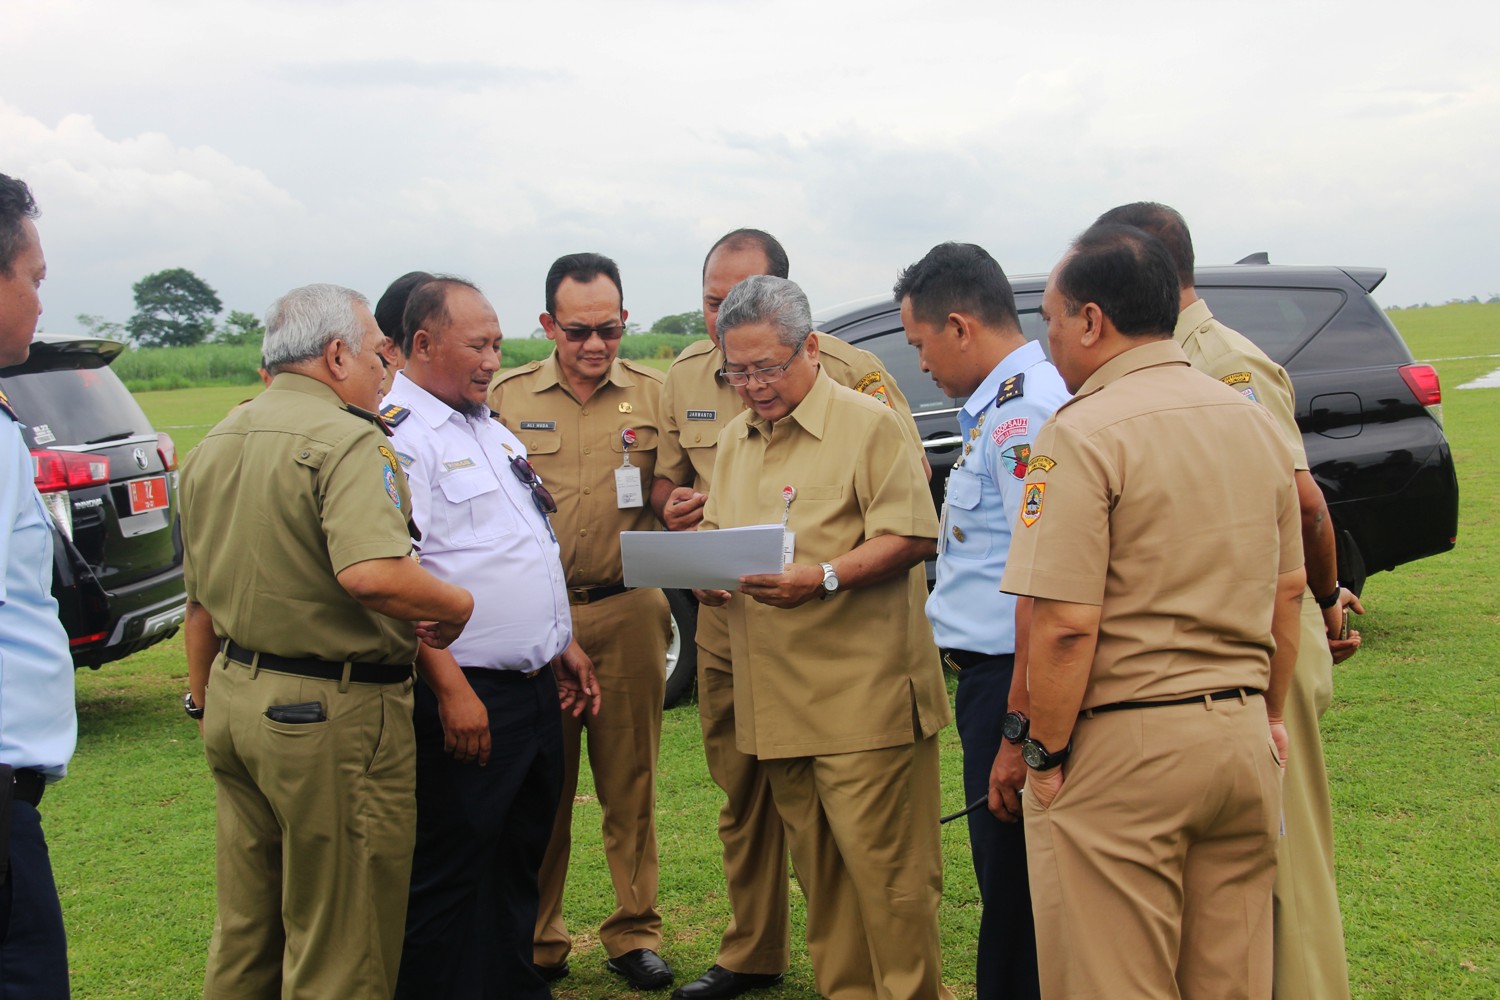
[[390, 486]]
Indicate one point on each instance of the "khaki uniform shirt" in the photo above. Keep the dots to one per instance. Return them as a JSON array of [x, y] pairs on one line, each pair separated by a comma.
[[853, 672], [1232, 358], [696, 404], [576, 448], [1151, 494], [283, 494]]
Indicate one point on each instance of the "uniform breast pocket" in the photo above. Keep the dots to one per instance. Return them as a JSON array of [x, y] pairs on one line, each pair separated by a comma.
[[964, 490], [473, 508], [540, 442], [642, 453]]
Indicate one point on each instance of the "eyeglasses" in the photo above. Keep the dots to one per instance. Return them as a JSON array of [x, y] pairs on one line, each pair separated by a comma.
[[578, 334], [527, 475], [765, 376]]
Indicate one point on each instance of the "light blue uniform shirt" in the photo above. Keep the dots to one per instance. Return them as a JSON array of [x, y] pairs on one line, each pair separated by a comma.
[[983, 499], [38, 724]]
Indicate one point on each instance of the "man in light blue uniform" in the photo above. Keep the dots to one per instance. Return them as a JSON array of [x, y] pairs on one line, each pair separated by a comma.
[[960, 315], [38, 726]]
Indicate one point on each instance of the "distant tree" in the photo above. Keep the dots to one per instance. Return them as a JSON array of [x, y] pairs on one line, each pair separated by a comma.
[[689, 323], [1494, 297], [101, 327], [173, 308], [241, 328]]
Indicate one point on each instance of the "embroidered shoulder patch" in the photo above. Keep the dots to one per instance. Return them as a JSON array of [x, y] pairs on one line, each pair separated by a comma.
[[1016, 459], [1031, 503], [1235, 378], [1042, 463], [405, 459], [873, 385], [1249, 393], [1008, 429], [1011, 388], [394, 414]]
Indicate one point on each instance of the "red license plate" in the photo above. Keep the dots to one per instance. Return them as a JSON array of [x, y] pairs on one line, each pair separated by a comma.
[[147, 494]]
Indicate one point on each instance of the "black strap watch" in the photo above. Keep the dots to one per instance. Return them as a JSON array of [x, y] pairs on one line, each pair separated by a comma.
[[1014, 727], [1039, 758], [193, 711], [1327, 602]]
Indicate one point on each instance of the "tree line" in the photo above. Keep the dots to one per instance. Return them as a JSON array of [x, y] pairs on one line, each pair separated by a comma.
[[176, 308]]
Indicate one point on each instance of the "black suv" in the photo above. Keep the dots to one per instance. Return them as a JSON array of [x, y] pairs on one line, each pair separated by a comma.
[[1370, 417], [110, 483]]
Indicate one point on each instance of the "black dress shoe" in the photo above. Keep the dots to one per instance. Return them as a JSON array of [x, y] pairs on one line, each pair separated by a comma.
[[719, 983], [643, 969], [552, 973]]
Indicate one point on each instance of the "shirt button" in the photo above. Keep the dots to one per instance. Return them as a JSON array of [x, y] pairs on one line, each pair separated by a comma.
[[587, 490], [585, 411], [588, 451], [583, 531], [304, 454]]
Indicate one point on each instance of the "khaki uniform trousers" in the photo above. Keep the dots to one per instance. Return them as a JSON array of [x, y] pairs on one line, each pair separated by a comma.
[[758, 939], [1310, 960], [626, 636], [1151, 870], [864, 833], [315, 830]]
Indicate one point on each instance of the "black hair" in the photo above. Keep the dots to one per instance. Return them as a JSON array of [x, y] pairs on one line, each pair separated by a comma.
[[582, 268], [776, 260], [958, 277], [427, 307], [1127, 273], [16, 203], [1167, 225], [391, 308]]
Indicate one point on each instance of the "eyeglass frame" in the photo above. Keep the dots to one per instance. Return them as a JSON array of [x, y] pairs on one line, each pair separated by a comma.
[[528, 477], [581, 335], [759, 374]]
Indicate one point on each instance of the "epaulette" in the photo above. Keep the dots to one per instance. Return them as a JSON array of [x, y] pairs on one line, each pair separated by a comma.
[[1011, 388], [9, 410], [373, 418], [645, 370], [394, 414], [506, 376]]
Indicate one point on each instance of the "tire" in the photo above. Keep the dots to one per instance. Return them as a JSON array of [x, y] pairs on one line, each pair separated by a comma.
[[682, 655]]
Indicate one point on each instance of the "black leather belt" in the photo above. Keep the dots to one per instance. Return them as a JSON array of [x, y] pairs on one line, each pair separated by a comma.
[[1225, 695], [328, 670], [588, 595], [960, 659], [29, 785]]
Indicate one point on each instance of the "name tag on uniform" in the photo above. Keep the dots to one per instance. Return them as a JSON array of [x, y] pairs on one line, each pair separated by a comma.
[[703, 414], [539, 425], [628, 487]]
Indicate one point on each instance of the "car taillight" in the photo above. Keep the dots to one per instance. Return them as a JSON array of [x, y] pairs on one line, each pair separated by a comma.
[[1422, 380], [166, 450], [57, 472], [67, 470]]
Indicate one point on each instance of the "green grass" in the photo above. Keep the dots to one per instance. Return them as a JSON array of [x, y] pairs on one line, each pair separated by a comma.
[[1411, 742]]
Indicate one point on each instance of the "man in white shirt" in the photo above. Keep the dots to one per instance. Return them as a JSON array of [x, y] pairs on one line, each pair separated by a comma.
[[489, 736]]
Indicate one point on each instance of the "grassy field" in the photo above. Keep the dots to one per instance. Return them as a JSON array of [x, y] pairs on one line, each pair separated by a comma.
[[1413, 745]]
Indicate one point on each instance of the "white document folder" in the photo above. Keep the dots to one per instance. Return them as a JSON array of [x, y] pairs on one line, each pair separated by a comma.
[[707, 560]]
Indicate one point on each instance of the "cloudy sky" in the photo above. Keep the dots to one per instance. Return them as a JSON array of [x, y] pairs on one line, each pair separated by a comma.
[[265, 145]]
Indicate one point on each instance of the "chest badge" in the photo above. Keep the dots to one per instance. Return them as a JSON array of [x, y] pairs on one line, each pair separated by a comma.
[[958, 533], [625, 407]]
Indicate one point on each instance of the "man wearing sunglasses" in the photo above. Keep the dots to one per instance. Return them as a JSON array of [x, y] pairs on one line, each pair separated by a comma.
[[589, 422], [489, 735], [697, 403]]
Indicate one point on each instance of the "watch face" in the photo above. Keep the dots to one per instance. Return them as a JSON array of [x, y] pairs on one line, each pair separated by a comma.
[[1014, 727], [1033, 755]]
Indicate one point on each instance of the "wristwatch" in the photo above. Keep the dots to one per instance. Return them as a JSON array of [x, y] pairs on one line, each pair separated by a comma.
[[830, 581], [1014, 727], [1327, 602], [1039, 758], [193, 711]]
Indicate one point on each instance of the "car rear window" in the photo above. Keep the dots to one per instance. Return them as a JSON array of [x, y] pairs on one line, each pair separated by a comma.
[[1278, 320], [71, 406]]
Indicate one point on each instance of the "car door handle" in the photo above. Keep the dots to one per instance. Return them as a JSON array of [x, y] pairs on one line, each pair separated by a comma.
[[942, 442]]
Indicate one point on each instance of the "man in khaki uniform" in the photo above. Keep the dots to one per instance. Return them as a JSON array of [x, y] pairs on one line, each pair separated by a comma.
[[838, 690], [1160, 541], [296, 538], [1310, 962], [590, 422], [696, 403]]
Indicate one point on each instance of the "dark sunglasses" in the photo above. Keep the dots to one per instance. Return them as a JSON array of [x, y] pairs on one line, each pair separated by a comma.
[[527, 475], [578, 334]]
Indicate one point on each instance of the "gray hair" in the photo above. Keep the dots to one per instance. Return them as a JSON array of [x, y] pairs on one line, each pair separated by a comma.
[[763, 298], [305, 320]]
